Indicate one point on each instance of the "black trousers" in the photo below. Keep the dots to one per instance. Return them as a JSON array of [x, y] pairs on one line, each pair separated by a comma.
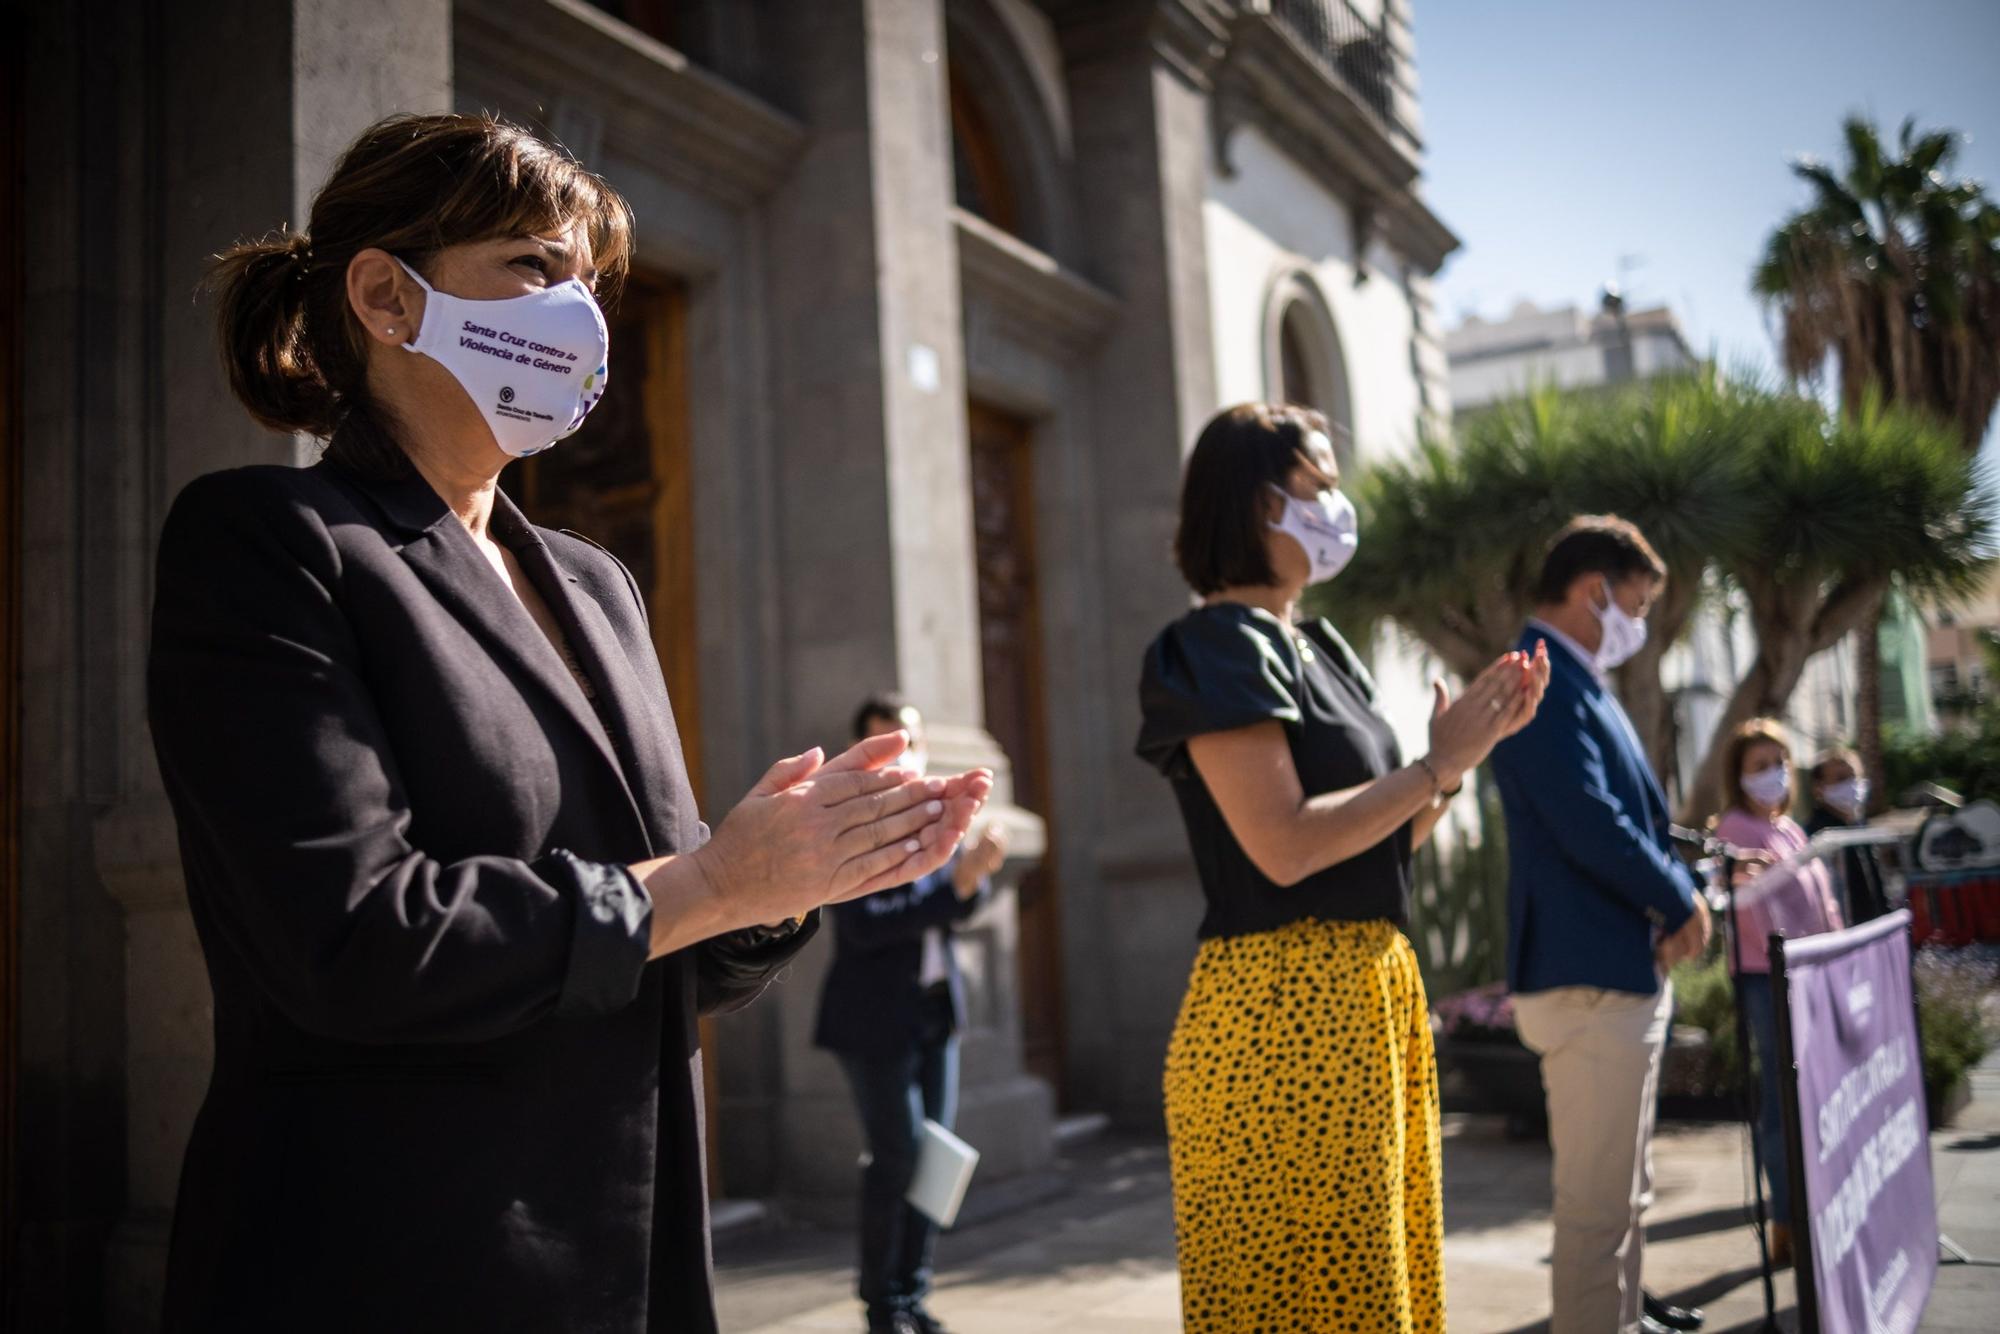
[[894, 1092]]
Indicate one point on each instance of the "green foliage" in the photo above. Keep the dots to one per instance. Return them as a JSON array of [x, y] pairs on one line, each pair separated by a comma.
[[1705, 999], [1455, 533], [1951, 990], [1965, 760], [1459, 905], [1810, 519]]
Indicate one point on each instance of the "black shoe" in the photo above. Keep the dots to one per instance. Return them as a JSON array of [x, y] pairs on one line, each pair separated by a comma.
[[1672, 1317], [896, 1322], [926, 1322]]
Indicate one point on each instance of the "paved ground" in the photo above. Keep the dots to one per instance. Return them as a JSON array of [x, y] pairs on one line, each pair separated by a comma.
[[1099, 1259]]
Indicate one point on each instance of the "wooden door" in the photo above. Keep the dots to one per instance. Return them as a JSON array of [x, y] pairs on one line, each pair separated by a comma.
[[624, 481], [13, 180], [1010, 641]]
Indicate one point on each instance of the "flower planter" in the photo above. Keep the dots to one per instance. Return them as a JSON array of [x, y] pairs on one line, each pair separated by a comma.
[[1944, 1104], [1493, 1075]]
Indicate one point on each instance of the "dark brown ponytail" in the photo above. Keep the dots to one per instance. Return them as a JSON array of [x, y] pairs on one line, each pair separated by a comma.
[[262, 289], [296, 357]]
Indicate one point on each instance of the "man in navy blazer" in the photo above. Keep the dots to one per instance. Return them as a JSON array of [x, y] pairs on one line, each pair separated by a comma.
[[1598, 907], [892, 1005]]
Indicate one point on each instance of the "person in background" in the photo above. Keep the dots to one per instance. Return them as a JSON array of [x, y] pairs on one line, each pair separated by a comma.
[[1598, 908], [1301, 1084], [1757, 774], [891, 1009], [1840, 801]]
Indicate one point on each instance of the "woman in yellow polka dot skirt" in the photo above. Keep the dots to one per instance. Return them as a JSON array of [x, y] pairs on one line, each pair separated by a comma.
[[1301, 1086]]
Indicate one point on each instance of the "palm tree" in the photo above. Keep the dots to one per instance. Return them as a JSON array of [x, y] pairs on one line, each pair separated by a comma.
[[1892, 274], [1810, 519], [1455, 535], [1841, 511]]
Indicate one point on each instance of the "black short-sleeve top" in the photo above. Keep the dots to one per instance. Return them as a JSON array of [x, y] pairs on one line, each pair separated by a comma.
[[1226, 666]]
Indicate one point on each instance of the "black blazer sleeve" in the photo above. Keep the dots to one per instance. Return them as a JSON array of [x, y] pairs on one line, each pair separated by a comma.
[[734, 969], [294, 821]]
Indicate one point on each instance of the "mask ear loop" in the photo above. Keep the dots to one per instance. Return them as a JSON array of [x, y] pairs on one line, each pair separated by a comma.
[[417, 329]]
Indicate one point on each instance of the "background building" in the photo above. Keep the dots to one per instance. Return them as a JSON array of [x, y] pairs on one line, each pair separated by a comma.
[[1961, 649], [1564, 347], [932, 296]]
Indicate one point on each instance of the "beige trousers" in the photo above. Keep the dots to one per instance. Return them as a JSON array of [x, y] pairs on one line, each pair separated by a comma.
[[1600, 1055]]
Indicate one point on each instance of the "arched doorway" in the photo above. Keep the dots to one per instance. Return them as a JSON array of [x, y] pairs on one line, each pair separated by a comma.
[[1303, 359]]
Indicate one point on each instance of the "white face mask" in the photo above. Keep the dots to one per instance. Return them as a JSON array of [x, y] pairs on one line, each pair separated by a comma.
[[1849, 796], [1325, 528], [534, 364], [1769, 787], [1624, 633]]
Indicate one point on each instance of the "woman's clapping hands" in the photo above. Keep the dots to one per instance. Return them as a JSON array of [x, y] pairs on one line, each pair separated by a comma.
[[816, 831], [1500, 702]]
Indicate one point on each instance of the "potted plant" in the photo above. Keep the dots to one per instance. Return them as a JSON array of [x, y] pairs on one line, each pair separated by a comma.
[[1953, 987]]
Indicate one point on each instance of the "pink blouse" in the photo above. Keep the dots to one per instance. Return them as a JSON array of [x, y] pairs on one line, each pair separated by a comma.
[[1802, 905]]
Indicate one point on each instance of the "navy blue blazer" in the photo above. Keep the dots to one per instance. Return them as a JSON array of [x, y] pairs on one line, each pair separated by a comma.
[[1590, 872], [871, 1001]]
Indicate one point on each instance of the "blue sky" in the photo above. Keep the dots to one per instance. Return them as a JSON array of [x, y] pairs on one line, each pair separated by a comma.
[[1563, 135]]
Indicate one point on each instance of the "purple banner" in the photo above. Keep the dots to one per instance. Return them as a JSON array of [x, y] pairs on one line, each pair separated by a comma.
[[1857, 1130]]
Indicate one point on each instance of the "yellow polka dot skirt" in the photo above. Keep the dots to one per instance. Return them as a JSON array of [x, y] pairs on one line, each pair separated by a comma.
[[1302, 1120]]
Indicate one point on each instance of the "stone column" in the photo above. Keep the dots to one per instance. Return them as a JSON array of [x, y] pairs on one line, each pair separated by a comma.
[[1138, 93], [875, 536], [254, 102]]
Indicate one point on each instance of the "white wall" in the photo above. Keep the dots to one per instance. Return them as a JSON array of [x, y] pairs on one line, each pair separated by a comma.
[[1271, 219]]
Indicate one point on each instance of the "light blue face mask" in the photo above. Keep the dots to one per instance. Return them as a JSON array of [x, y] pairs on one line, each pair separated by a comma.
[[1769, 786], [534, 365], [1326, 529], [1624, 633]]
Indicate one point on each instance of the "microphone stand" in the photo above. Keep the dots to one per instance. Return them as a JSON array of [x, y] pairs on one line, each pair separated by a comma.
[[1753, 1097], [1726, 859]]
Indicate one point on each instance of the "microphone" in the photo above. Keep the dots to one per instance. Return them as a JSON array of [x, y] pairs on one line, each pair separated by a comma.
[[1694, 844]]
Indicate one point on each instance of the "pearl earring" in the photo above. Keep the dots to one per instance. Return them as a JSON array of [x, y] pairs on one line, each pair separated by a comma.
[[391, 330]]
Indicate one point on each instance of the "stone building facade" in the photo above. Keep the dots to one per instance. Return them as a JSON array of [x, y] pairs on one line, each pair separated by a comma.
[[932, 297]]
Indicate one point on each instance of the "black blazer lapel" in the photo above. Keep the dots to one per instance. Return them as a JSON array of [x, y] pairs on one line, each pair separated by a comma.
[[645, 744], [444, 557]]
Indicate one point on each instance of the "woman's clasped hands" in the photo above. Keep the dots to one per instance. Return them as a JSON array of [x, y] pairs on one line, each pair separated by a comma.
[[815, 831], [1500, 702]]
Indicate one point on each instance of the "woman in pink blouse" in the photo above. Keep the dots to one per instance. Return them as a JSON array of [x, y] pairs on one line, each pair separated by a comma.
[[1757, 770]]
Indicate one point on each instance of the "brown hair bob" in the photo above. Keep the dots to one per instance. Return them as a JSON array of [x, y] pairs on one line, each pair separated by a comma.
[[1740, 741], [411, 185], [1595, 544], [1242, 450]]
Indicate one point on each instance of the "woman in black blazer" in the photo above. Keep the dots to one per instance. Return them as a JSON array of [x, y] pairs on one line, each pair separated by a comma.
[[458, 909]]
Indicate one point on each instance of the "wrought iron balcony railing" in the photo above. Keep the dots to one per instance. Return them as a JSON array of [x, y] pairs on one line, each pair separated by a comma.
[[1349, 46]]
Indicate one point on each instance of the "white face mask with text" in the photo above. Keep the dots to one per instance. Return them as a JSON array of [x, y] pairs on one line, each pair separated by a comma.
[[534, 364]]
